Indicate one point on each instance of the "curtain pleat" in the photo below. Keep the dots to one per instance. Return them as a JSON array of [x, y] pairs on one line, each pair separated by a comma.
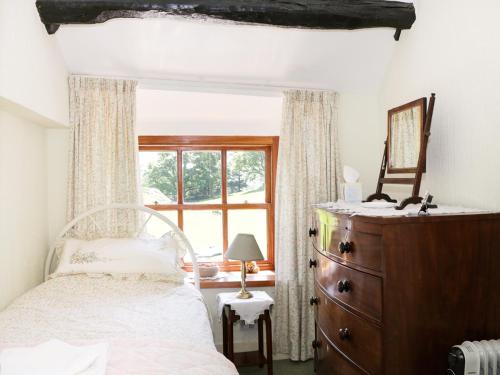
[[308, 173], [103, 155]]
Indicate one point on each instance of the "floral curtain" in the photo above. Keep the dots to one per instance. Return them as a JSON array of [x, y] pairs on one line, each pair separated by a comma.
[[103, 155], [308, 173]]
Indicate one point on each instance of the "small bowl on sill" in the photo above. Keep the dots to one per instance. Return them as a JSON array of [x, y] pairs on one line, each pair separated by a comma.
[[208, 269]]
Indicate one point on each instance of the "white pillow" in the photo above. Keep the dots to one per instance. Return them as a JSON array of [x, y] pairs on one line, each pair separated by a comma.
[[122, 257]]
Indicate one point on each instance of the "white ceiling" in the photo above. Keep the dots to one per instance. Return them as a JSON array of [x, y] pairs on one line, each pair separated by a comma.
[[188, 50]]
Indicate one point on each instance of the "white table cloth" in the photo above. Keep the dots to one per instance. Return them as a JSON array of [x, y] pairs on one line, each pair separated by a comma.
[[355, 209], [248, 309]]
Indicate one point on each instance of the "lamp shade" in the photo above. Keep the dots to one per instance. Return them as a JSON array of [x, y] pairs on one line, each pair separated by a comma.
[[244, 247]]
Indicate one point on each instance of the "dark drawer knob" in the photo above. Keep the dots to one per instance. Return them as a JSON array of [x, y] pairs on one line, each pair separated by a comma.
[[345, 247], [344, 334], [314, 301], [316, 344], [313, 232], [343, 286], [313, 263]]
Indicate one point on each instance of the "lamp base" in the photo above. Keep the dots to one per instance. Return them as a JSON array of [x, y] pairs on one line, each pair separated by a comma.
[[244, 294]]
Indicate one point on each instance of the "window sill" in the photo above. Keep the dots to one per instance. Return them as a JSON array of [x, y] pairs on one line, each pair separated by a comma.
[[233, 280]]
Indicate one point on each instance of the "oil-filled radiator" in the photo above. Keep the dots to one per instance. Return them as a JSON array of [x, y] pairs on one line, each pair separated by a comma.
[[475, 358]]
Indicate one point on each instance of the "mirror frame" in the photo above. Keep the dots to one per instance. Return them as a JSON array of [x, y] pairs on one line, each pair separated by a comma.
[[422, 103]]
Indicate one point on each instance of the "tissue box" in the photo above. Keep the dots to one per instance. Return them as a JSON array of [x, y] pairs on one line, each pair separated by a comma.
[[353, 192]]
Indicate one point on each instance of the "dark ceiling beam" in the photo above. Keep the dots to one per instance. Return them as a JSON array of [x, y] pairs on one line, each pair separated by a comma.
[[310, 14]]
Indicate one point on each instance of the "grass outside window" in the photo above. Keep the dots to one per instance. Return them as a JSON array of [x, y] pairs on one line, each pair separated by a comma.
[[213, 188]]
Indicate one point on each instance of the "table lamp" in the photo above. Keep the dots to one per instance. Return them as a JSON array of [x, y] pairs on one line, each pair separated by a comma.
[[244, 248]]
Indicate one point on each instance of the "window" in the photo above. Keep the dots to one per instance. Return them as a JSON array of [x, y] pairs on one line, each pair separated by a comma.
[[213, 188]]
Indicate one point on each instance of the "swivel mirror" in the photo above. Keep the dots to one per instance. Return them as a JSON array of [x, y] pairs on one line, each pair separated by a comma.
[[404, 133], [408, 131]]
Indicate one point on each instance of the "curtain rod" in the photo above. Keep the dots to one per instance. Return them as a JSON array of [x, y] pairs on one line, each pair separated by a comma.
[[237, 88]]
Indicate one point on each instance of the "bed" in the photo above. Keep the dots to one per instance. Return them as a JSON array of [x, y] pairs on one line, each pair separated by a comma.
[[152, 327]]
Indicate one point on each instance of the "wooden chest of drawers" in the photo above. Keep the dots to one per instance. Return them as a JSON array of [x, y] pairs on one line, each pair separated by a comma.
[[392, 295]]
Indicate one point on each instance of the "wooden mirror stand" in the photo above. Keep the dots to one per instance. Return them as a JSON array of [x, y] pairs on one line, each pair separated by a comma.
[[417, 179]]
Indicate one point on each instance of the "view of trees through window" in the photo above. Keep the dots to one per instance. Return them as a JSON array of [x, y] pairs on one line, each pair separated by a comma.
[[245, 172], [159, 171], [201, 175], [212, 191]]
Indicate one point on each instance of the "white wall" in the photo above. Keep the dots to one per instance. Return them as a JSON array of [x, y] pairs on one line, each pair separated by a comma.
[[163, 112], [33, 96], [454, 50], [23, 206], [33, 76], [57, 178], [361, 140]]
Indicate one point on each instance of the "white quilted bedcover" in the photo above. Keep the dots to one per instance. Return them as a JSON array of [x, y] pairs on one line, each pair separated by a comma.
[[152, 327]]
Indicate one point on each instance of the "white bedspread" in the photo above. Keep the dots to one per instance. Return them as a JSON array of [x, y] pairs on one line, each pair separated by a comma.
[[152, 327], [76, 308], [162, 357]]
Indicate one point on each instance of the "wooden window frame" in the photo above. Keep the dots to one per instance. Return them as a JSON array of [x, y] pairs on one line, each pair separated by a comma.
[[268, 144]]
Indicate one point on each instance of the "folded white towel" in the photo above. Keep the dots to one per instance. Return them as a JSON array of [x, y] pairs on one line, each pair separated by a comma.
[[54, 357]]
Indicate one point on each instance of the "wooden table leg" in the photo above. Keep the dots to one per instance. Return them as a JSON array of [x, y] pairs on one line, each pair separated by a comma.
[[230, 335], [269, 343], [224, 332], [261, 340]]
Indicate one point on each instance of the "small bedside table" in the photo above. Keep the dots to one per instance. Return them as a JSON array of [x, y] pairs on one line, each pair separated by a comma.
[[232, 309]]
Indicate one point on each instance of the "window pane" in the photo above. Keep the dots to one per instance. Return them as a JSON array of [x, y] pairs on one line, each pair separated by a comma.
[[159, 177], [249, 221], [156, 227], [203, 228], [246, 181], [201, 172]]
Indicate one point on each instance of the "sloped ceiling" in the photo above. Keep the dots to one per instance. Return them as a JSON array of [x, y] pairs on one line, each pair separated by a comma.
[[193, 51]]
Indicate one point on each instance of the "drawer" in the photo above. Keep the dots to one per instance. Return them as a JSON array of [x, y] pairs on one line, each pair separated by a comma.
[[359, 290], [362, 249], [357, 338], [323, 224], [329, 361]]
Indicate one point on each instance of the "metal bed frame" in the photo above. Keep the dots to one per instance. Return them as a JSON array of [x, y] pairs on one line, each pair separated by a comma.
[[53, 258]]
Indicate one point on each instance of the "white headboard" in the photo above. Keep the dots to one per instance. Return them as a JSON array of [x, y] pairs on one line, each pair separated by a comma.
[[180, 234]]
